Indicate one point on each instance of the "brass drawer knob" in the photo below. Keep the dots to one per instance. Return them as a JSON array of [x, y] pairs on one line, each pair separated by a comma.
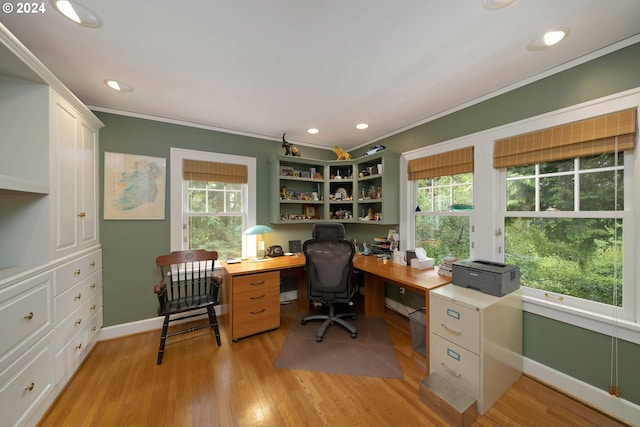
[[30, 387], [77, 272], [79, 321], [92, 264], [77, 297], [79, 346], [29, 315]]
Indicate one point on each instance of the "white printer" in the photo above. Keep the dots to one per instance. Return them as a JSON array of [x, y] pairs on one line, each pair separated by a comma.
[[489, 277]]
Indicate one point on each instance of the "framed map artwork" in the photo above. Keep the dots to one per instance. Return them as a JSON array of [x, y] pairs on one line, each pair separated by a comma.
[[134, 186]]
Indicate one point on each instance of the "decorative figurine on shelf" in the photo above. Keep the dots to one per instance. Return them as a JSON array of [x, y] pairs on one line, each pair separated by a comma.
[[289, 149], [283, 193], [342, 155], [367, 251]]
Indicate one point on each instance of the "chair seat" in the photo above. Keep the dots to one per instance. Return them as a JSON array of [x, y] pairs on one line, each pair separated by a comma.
[[186, 304]]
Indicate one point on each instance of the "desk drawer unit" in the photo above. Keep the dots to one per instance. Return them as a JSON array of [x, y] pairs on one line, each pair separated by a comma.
[[256, 303]]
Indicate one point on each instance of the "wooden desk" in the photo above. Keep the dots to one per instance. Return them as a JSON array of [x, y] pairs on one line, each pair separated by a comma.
[[377, 272], [250, 299]]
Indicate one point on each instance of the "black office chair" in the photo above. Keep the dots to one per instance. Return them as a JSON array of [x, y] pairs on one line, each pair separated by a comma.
[[329, 264]]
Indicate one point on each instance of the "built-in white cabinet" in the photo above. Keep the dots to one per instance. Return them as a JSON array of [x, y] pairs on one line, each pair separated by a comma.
[[476, 341], [50, 256]]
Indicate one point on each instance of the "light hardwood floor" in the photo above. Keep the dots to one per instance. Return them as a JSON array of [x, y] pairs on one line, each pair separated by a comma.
[[199, 384]]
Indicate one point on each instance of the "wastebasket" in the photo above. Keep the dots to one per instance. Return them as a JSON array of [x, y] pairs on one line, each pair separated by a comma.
[[418, 322]]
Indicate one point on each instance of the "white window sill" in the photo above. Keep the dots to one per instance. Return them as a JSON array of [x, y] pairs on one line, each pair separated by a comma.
[[622, 329]]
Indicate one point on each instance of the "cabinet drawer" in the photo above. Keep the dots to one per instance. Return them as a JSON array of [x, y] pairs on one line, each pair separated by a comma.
[[74, 297], [72, 324], [24, 314], [254, 318], [27, 387], [458, 366], [455, 322], [69, 274], [252, 288]]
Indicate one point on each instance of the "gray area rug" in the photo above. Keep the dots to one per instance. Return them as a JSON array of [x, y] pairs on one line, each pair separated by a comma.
[[371, 354]]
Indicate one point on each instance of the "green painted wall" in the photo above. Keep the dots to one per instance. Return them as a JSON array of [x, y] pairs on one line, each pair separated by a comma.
[[130, 247]]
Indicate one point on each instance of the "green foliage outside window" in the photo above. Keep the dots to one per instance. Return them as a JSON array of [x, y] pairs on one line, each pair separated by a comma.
[[215, 217], [579, 256], [443, 235]]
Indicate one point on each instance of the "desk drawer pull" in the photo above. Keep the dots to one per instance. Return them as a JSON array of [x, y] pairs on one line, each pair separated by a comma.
[[258, 283], [79, 321], [77, 272], [77, 297], [261, 296], [30, 387], [259, 311], [92, 264], [29, 315], [451, 331], [79, 347]]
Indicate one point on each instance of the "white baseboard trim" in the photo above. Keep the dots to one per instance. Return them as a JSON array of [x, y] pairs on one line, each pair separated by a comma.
[[623, 409], [145, 325]]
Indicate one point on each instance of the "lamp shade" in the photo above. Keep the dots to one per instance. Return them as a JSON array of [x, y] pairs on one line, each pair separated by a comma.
[[258, 229]]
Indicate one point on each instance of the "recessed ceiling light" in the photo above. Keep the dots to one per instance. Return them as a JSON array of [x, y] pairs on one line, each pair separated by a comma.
[[362, 126], [312, 131], [78, 13], [119, 86], [548, 39], [496, 4]]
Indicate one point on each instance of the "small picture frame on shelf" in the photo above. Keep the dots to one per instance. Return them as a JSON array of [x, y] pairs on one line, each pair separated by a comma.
[[286, 170], [310, 211], [305, 174]]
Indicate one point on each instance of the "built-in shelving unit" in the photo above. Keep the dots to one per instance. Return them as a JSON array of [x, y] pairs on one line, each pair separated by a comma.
[[363, 190]]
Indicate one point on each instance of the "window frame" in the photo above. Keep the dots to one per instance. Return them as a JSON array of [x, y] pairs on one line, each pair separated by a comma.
[[489, 184], [178, 193]]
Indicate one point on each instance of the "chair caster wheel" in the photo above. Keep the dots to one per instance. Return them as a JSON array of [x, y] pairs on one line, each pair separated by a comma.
[[304, 322], [354, 335], [319, 339]]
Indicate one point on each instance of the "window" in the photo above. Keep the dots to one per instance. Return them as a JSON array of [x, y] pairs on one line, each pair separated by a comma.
[[564, 226], [442, 190], [567, 214], [442, 220], [209, 207]]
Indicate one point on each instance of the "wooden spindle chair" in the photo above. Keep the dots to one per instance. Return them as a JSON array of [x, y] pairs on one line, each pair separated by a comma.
[[188, 284]]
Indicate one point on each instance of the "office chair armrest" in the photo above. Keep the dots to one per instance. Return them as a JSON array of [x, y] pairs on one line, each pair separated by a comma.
[[160, 287]]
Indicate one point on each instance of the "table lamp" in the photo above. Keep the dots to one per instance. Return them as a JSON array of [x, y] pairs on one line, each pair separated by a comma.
[[259, 230]]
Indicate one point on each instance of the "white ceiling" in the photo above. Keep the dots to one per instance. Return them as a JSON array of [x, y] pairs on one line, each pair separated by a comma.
[[265, 67]]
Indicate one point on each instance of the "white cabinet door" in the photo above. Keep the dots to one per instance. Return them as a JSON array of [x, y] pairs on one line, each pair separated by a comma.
[[88, 184], [74, 169], [64, 145]]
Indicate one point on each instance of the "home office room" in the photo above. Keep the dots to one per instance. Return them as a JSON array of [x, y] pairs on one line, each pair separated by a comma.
[[376, 213]]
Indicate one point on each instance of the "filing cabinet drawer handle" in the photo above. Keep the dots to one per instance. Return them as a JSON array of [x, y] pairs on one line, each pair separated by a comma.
[[79, 321], [77, 272], [77, 297], [451, 331], [258, 283], [261, 296], [29, 315], [450, 370], [259, 311], [30, 387]]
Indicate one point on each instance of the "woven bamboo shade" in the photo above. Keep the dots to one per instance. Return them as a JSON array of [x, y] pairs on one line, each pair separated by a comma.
[[597, 135], [449, 163], [200, 170]]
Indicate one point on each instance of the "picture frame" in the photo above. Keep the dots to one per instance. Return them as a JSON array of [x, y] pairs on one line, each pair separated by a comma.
[[310, 211], [134, 187], [286, 170]]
